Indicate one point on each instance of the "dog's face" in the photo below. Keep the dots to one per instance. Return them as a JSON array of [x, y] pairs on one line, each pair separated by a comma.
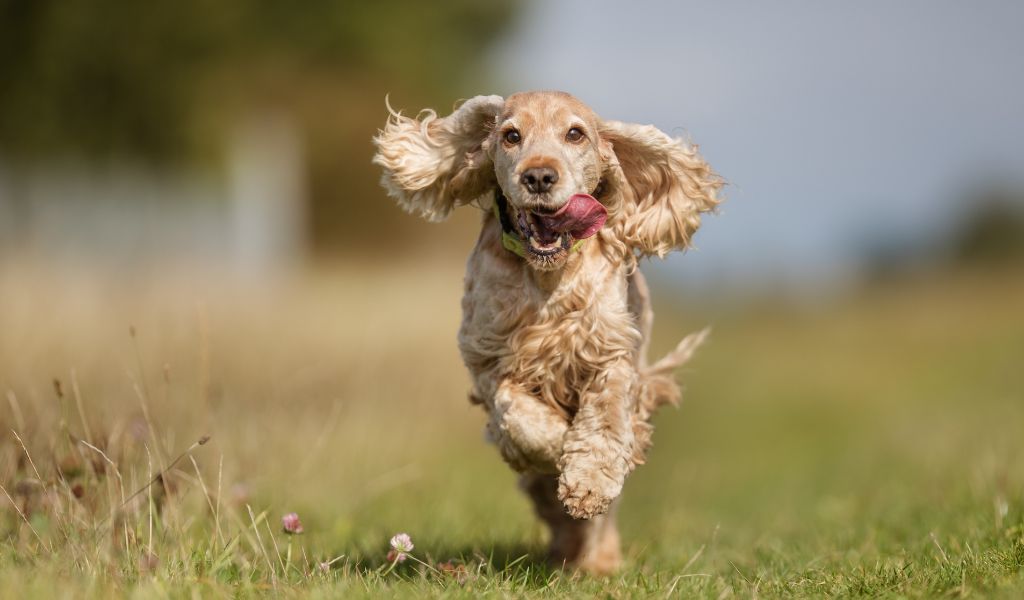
[[546, 148], [565, 173]]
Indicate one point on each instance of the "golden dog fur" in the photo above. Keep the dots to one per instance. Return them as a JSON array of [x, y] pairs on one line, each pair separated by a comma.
[[556, 345]]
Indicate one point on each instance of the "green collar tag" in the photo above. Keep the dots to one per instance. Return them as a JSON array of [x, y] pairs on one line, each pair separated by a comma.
[[510, 240]]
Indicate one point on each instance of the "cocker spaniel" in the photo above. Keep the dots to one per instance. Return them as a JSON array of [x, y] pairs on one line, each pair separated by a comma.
[[556, 316]]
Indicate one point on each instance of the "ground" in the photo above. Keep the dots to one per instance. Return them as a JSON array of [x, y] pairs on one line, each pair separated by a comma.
[[863, 444]]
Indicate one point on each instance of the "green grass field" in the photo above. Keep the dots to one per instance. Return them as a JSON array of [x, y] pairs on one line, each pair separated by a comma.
[[872, 445]]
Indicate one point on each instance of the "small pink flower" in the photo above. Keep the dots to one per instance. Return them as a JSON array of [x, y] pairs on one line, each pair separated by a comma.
[[291, 523], [401, 544]]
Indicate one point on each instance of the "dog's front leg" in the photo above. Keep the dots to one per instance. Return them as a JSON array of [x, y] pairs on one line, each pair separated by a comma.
[[598, 448], [527, 431]]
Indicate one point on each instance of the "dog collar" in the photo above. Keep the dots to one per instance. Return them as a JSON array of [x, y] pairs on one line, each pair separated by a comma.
[[512, 242]]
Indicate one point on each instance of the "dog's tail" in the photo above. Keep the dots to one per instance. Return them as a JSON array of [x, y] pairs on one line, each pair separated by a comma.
[[658, 386]]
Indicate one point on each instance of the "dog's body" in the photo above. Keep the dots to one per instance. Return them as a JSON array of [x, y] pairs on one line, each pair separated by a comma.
[[556, 318]]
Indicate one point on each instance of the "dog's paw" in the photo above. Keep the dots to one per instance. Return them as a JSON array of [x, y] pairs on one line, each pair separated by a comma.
[[585, 497]]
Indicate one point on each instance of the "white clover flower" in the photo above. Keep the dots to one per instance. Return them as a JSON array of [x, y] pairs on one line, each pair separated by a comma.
[[401, 544]]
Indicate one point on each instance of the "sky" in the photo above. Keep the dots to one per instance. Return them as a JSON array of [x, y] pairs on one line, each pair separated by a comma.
[[839, 126]]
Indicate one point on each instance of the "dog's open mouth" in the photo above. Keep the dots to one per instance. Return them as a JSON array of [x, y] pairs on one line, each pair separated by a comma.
[[547, 234]]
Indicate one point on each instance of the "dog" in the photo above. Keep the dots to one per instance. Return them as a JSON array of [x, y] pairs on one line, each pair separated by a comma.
[[556, 315]]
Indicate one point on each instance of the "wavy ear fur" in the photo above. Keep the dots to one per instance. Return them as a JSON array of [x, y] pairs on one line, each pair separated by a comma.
[[431, 165], [665, 185]]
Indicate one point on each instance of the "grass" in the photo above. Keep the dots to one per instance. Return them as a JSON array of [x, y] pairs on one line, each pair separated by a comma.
[[868, 446]]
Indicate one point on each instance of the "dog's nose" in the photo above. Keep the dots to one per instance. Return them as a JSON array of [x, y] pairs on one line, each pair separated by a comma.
[[539, 179]]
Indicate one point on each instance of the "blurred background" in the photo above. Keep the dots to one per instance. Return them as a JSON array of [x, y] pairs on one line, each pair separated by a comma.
[[200, 170], [858, 140]]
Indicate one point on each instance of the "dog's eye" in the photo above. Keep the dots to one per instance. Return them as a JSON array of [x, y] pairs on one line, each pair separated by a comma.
[[512, 136], [574, 135]]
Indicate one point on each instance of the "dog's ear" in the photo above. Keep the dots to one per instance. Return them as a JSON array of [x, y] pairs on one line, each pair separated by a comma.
[[431, 165], [663, 186]]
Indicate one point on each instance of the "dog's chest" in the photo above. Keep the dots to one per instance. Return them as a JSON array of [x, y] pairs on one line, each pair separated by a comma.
[[554, 342]]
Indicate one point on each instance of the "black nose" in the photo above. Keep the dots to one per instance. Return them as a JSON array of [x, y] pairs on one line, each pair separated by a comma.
[[539, 179]]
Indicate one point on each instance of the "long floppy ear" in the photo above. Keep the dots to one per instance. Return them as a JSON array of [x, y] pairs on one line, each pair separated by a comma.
[[431, 165], [664, 185]]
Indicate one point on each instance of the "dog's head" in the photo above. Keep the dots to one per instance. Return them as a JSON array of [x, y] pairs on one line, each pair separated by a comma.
[[565, 173]]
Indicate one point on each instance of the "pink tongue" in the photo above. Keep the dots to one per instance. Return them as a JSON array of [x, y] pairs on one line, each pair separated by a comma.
[[581, 216]]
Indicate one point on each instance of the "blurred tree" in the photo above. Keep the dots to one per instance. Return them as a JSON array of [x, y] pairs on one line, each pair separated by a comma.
[[993, 231], [164, 80], [988, 233]]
